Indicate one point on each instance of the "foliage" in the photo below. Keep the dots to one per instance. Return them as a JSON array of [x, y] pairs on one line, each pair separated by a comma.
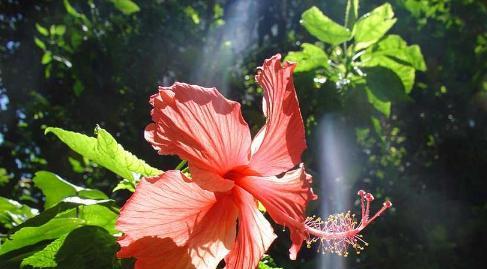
[[12, 213], [407, 80], [73, 216], [105, 151], [360, 55]]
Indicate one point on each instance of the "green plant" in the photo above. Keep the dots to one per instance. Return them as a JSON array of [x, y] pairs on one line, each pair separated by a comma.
[[360, 55]]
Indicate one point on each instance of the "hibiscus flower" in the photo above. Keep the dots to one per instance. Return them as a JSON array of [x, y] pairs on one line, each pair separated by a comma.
[[175, 221]]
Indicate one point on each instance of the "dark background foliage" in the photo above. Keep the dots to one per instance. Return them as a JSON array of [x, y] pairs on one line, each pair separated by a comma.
[[430, 159]]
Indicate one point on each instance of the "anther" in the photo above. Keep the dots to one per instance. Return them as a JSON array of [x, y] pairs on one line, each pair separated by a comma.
[[342, 230]]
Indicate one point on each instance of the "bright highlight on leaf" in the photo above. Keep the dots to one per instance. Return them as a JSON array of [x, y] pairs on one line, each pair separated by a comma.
[[105, 151], [323, 28], [311, 57], [382, 67], [76, 250], [59, 220], [13, 213], [127, 7], [56, 189], [373, 26]]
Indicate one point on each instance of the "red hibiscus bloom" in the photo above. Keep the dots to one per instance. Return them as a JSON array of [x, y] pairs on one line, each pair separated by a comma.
[[172, 221]]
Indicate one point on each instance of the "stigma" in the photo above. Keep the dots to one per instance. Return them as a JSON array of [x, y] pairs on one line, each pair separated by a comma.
[[340, 232]]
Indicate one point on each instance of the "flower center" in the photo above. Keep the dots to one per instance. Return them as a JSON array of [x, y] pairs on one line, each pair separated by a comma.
[[237, 172]]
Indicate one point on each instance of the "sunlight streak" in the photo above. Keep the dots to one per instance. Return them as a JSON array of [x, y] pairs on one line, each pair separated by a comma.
[[227, 45], [335, 192]]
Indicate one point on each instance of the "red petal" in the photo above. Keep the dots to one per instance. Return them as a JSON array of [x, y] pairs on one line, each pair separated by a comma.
[[209, 180], [279, 144], [255, 233], [171, 223], [285, 199], [199, 125]]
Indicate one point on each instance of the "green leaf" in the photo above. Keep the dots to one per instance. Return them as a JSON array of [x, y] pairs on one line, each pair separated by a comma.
[[392, 52], [416, 58], [383, 86], [31, 235], [404, 72], [85, 247], [71, 10], [267, 263], [12, 213], [378, 128], [351, 13], [78, 87], [42, 30], [311, 57], [4, 176], [382, 106], [45, 257], [105, 151], [393, 46], [193, 14], [46, 58], [323, 28], [372, 26], [127, 7], [74, 13], [39, 43], [98, 215], [125, 184], [56, 189], [60, 29], [92, 213]]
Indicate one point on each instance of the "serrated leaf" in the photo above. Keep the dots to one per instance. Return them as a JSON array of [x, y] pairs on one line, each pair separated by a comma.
[[324, 28], [372, 26], [68, 207], [105, 151], [56, 189], [311, 57], [127, 7], [85, 247], [13, 213]]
